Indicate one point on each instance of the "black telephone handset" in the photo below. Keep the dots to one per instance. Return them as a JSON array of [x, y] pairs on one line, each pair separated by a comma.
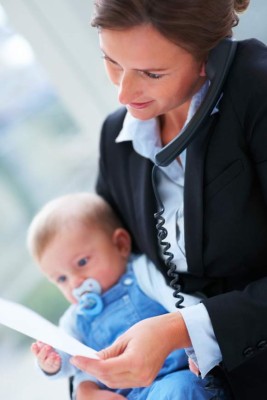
[[217, 68]]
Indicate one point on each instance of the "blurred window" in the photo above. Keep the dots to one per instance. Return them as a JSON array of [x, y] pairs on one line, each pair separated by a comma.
[[42, 154]]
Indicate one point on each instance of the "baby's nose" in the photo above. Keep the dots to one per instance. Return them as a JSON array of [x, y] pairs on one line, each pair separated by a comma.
[[76, 283]]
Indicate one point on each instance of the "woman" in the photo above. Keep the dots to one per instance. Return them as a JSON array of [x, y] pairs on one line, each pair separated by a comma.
[[214, 193]]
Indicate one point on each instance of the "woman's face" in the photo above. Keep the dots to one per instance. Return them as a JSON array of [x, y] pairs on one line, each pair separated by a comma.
[[153, 75]]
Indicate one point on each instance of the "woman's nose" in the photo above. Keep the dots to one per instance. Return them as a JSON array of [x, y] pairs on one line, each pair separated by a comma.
[[129, 89]]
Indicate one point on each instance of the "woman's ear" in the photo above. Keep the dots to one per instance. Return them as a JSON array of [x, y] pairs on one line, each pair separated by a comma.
[[203, 70], [122, 240]]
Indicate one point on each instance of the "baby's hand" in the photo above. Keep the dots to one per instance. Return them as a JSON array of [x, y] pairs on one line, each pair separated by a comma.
[[48, 359]]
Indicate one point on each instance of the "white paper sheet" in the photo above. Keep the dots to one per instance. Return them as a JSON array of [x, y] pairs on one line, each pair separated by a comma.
[[28, 322]]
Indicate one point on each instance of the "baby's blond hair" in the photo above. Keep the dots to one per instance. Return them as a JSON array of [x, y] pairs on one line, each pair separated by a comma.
[[87, 209]]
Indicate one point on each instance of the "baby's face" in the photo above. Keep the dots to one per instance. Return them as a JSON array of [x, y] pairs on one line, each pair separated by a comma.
[[81, 253]]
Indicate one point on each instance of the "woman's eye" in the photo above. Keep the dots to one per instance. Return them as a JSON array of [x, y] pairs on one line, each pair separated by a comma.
[[61, 279], [82, 261], [151, 75]]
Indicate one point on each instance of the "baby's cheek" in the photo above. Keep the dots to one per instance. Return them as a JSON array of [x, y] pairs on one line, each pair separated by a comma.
[[68, 296]]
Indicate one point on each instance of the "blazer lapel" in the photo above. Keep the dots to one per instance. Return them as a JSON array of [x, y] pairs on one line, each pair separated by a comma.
[[193, 198], [144, 204]]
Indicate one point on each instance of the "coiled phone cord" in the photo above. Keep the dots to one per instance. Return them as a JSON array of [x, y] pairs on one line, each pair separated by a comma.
[[162, 234]]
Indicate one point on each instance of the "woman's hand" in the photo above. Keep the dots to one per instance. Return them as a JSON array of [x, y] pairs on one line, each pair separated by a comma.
[[48, 359], [136, 357]]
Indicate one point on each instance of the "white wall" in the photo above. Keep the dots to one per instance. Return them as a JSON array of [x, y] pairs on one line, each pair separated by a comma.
[[253, 21], [67, 47]]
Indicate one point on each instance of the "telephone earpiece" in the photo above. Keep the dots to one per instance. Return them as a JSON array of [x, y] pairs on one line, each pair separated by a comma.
[[217, 68]]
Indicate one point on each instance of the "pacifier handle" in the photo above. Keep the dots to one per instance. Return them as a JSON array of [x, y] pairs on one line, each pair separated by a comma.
[[90, 305]]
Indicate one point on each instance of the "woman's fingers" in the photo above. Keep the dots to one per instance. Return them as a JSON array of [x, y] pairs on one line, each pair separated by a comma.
[[136, 357]]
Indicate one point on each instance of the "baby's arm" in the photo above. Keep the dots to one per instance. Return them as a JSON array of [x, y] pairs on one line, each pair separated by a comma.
[[89, 390], [48, 359]]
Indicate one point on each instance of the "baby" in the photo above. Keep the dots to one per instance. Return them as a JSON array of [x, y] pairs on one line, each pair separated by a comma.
[[81, 246]]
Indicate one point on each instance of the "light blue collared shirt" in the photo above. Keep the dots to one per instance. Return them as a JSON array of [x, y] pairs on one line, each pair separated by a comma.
[[145, 136]]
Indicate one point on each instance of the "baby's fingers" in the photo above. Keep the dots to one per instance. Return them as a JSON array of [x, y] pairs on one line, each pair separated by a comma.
[[36, 347], [53, 361], [44, 352]]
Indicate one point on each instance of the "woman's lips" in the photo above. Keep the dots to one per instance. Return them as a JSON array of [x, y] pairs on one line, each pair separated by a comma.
[[139, 106]]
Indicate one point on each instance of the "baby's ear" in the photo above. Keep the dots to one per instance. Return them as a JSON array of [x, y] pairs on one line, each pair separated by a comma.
[[122, 240]]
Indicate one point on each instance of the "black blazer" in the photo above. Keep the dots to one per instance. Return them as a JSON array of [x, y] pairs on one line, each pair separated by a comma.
[[225, 205]]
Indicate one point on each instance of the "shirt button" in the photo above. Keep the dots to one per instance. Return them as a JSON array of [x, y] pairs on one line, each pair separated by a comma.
[[128, 281], [262, 345], [248, 352]]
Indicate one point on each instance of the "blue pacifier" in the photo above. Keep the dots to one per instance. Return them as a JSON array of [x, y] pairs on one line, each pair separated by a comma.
[[88, 295]]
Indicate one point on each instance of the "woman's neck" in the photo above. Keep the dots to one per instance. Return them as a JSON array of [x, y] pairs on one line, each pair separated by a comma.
[[172, 122]]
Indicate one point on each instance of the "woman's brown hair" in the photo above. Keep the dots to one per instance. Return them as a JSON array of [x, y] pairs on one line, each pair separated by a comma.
[[195, 25]]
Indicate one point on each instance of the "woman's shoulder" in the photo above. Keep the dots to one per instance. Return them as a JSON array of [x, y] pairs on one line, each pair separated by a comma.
[[251, 44], [246, 83], [251, 59], [115, 119], [111, 128]]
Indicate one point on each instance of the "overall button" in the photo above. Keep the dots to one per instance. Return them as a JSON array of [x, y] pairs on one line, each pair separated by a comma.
[[262, 345], [128, 281]]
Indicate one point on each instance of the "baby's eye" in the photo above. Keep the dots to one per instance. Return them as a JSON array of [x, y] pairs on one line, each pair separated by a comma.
[[61, 279], [82, 261]]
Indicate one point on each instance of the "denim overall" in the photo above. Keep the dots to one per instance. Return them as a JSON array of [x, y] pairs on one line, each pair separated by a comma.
[[121, 307]]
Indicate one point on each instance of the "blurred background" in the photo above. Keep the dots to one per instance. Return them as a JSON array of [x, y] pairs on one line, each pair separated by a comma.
[[54, 94]]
